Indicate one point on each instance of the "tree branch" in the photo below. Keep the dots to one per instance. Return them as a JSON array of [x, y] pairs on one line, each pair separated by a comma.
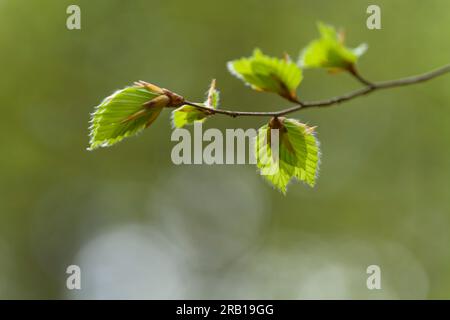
[[368, 88]]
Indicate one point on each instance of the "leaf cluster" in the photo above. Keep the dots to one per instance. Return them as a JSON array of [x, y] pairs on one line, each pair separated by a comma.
[[130, 110]]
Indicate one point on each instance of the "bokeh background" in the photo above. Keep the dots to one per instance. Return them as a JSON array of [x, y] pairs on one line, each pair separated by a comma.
[[141, 227]]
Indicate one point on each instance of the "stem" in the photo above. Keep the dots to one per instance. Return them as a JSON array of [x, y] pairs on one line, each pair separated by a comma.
[[368, 88], [354, 72]]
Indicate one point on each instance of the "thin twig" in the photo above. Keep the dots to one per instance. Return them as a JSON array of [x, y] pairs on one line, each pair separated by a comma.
[[369, 87]]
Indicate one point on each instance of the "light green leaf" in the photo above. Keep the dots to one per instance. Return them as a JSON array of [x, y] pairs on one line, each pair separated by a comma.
[[187, 114], [306, 147], [276, 172], [212, 96], [123, 114], [298, 154], [264, 73], [329, 51]]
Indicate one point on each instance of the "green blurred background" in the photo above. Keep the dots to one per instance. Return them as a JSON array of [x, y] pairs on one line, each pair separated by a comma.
[[141, 227]]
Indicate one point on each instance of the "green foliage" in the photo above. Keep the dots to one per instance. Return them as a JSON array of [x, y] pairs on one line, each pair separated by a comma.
[[212, 96], [187, 114], [129, 111], [329, 51], [123, 114], [264, 73], [298, 153]]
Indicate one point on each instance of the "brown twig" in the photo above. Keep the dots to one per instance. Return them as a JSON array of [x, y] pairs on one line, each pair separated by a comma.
[[368, 88]]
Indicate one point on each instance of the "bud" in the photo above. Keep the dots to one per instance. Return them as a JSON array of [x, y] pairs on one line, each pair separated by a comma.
[[150, 87], [175, 100]]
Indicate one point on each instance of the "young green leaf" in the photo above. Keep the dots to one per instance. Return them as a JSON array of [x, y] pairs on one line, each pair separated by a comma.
[[298, 153], [276, 172], [125, 113], [212, 96], [264, 73], [329, 51], [306, 147], [187, 114]]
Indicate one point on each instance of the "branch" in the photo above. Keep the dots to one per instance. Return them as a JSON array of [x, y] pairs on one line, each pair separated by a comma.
[[368, 88]]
